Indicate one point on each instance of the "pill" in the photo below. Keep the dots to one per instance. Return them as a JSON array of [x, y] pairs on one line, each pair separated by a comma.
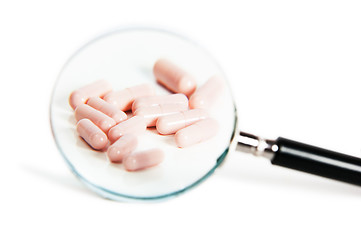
[[103, 121], [144, 159], [92, 134], [173, 77], [178, 98], [96, 89], [151, 114], [107, 108], [122, 148], [172, 123], [196, 133], [124, 98], [208, 93], [135, 125]]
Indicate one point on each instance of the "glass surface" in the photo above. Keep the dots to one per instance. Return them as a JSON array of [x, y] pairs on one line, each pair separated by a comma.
[[125, 58]]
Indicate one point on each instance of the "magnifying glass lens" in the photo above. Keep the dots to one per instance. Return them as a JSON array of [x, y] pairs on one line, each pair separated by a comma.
[[125, 58]]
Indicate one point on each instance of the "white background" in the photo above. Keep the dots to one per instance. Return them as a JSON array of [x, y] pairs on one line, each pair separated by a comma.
[[295, 70]]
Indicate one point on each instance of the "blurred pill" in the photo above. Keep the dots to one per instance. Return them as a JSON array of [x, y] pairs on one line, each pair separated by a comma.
[[135, 125], [151, 114], [123, 99], [96, 89], [122, 148], [196, 133], [178, 98], [172, 123], [103, 121], [207, 94], [142, 160], [107, 108], [92, 134], [173, 77]]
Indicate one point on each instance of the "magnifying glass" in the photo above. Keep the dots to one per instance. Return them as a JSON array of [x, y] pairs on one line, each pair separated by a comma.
[[125, 58]]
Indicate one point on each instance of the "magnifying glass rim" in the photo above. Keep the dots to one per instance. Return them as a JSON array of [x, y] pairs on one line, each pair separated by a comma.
[[106, 193]]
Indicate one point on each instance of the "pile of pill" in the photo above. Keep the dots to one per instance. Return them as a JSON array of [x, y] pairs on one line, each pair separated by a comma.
[[104, 125]]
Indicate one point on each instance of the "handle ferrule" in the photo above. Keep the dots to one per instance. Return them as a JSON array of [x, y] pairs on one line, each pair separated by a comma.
[[256, 145]]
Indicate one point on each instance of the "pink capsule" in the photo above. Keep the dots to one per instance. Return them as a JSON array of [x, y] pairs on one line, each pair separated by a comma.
[[207, 94], [107, 108], [173, 77], [95, 89], [172, 123], [135, 125], [122, 148], [123, 99], [178, 98], [142, 160], [196, 133], [92, 134], [103, 121], [151, 114]]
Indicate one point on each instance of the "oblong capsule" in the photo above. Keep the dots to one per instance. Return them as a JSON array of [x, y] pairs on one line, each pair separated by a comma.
[[95, 89], [123, 99], [92, 134], [208, 93], [196, 133], [178, 98], [103, 121], [107, 108], [142, 160], [173, 77], [172, 123], [135, 125], [151, 114], [122, 148]]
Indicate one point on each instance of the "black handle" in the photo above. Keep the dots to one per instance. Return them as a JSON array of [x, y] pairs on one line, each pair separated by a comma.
[[318, 161]]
